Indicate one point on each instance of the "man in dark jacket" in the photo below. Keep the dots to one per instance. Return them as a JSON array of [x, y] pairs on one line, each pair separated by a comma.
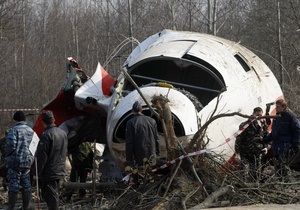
[[249, 144], [19, 159], [284, 136], [141, 138], [51, 159]]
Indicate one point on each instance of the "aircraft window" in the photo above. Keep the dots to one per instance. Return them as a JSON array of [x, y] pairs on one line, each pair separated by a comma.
[[243, 63], [119, 133], [199, 80]]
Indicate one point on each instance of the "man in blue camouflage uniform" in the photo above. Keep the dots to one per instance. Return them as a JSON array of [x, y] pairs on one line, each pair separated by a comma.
[[284, 136], [18, 161], [249, 144]]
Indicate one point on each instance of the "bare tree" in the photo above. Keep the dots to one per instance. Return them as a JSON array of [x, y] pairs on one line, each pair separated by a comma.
[[37, 36], [211, 14]]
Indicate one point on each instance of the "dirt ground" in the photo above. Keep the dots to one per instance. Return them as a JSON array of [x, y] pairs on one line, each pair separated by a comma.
[[259, 207]]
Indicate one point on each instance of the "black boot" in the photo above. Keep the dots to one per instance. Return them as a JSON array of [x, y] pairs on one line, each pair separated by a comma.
[[12, 200], [26, 196]]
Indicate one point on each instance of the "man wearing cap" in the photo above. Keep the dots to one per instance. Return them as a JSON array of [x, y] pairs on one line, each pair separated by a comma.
[[51, 158], [18, 160], [141, 137]]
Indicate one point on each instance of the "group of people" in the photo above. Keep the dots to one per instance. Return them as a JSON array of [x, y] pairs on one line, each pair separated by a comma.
[[142, 147], [252, 143], [51, 154], [255, 145], [52, 151]]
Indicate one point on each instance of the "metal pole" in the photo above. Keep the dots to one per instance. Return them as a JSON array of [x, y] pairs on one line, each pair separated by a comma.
[[94, 172], [129, 78], [130, 23], [37, 184]]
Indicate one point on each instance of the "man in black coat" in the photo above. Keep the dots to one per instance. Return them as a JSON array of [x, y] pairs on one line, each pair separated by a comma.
[[51, 159], [284, 136], [141, 138]]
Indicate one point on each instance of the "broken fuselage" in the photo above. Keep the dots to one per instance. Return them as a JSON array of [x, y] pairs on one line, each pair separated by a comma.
[[200, 74], [201, 67]]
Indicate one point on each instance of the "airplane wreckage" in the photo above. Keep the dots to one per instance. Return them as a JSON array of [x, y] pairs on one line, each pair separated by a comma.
[[199, 74]]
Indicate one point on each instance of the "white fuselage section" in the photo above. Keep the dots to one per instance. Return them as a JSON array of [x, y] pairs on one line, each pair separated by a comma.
[[214, 70]]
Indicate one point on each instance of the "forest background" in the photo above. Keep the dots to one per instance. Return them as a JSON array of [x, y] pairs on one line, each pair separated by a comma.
[[37, 36]]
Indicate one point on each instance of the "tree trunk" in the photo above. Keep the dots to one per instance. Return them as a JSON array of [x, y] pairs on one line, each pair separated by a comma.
[[162, 107], [280, 47]]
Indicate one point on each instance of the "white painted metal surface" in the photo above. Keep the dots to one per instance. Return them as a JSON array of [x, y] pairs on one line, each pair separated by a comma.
[[241, 77]]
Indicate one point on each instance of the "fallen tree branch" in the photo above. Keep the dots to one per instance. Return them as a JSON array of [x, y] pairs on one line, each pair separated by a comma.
[[209, 201], [172, 177], [183, 201]]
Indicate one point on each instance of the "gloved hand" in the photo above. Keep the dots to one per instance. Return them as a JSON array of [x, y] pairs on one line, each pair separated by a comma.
[[128, 169], [145, 160], [264, 151], [128, 165], [153, 162]]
